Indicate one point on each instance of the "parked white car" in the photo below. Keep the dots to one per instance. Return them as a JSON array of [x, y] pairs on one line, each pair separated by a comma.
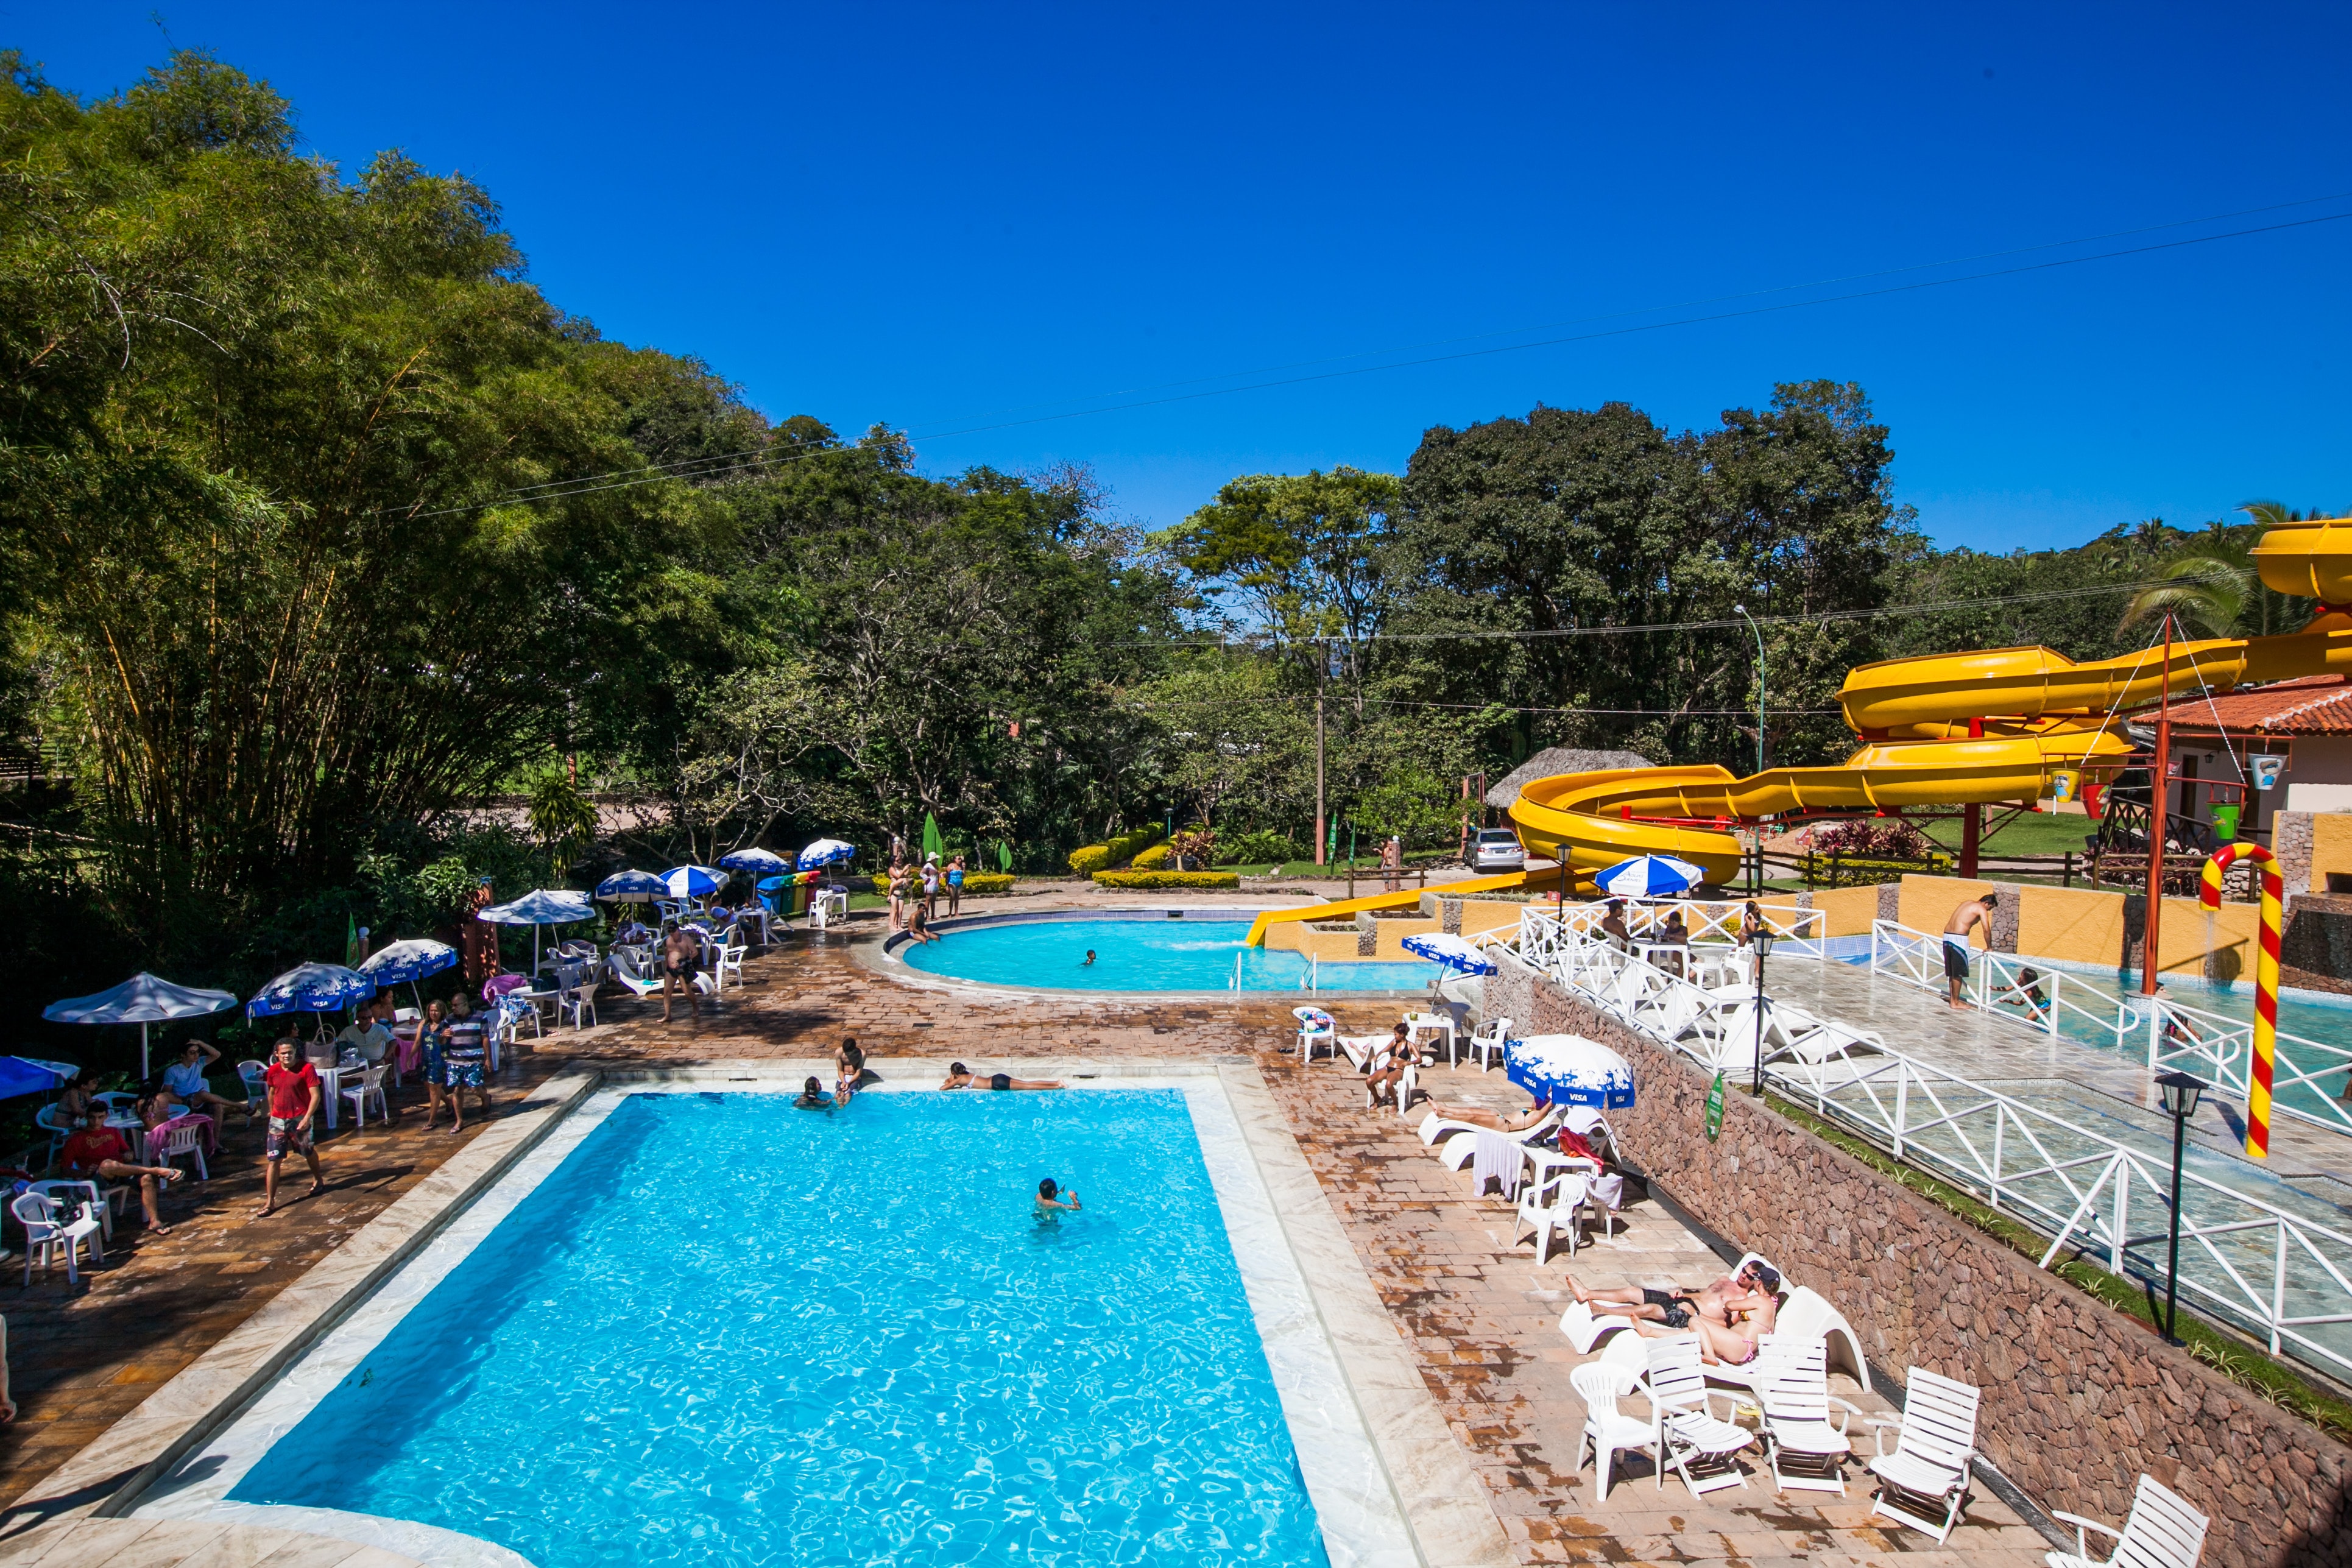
[[1497, 850]]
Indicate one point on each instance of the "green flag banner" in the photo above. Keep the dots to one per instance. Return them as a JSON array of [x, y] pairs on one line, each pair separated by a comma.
[[1715, 1108], [932, 843]]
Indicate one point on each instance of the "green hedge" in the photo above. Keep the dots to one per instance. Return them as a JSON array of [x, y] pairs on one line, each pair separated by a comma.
[[1153, 858], [1095, 857], [1167, 879]]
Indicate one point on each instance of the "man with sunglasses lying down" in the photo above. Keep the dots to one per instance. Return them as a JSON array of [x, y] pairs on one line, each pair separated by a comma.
[[1727, 1315]]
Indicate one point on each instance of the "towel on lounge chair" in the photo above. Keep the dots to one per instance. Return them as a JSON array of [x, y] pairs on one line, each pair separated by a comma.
[[1497, 1157]]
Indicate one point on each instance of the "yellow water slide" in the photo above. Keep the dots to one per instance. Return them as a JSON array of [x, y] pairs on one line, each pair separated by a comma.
[[1959, 729], [1946, 730]]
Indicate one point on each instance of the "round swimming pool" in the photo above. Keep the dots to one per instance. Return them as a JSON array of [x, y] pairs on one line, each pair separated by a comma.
[[1147, 950]]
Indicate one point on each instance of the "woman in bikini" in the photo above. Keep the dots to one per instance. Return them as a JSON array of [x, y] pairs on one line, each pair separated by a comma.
[[962, 1076], [1400, 1054]]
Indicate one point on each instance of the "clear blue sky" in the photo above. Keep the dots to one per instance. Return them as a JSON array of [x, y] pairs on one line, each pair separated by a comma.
[[948, 218]]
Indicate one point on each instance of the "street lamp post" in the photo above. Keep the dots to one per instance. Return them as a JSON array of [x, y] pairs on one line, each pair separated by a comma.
[[1741, 611], [1763, 943], [2181, 1092]]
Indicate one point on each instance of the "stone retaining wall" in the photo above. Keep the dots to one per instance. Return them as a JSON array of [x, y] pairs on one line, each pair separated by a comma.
[[2078, 1398]]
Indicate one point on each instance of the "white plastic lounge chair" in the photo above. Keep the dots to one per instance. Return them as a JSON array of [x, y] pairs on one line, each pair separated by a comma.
[[2163, 1531], [1927, 1474], [1607, 1432], [1806, 1450], [368, 1084], [1586, 1328], [626, 974], [1456, 1151], [1362, 1051], [1548, 1209], [1684, 1427], [45, 1230]]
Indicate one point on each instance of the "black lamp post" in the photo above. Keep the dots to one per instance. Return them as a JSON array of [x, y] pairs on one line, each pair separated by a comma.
[[2181, 1092], [1763, 943]]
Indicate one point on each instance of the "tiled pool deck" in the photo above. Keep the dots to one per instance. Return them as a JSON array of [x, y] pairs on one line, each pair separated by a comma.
[[1477, 1316]]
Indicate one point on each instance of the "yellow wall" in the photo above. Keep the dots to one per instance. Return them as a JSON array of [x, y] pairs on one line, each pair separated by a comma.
[[1391, 934], [1846, 911], [2181, 938], [1485, 914], [1327, 945], [2075, 923], [1928, 903], [2331, 848]]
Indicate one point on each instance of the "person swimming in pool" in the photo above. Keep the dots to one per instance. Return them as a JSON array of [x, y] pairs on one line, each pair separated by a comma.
[[813, 1097], [1049, 1200], [962, 1076], [1090, 960]]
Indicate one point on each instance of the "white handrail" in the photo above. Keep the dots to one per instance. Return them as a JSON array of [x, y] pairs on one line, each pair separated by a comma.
[[2286, 1276]]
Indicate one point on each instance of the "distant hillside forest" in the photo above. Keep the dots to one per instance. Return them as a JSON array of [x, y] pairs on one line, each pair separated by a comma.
[[324, 527]]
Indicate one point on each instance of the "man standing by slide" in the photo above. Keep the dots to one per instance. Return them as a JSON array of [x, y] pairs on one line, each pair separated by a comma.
[[1977, 911]]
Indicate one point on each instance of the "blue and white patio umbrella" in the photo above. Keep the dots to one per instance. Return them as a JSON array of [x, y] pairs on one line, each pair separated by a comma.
[[143, 999], [406, 963], [542, 907], [692, 881], [755, 860], [1452, 951], [310, 988], [1650, 876], [631, 888], [1569, 1070], [826, 852]]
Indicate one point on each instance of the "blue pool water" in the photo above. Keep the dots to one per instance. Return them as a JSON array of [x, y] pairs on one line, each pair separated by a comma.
[[1155, 955], [723, 1332]]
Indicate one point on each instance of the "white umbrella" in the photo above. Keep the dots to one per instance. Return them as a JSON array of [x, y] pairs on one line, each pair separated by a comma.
[[1569, 1070], [826, 852], [1650, 876], [757, 861], [1455, 953], [542, 906], [143, 1000]]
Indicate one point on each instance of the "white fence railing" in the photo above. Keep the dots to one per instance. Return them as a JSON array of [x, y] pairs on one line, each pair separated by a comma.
[[2308, 1077], [2076, 1175]]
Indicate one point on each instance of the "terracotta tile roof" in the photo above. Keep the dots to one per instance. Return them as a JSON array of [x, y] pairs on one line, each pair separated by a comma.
[[2312, 705]]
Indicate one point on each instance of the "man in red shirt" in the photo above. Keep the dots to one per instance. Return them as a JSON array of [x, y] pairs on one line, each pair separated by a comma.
[[294, 1094], [100, 1153]]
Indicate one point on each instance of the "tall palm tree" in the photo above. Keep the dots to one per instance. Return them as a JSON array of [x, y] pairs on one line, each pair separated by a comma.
[[2206, 593]]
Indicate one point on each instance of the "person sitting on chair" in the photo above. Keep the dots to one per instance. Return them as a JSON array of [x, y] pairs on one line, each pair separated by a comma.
[[100, 1153], [1388, 1064]]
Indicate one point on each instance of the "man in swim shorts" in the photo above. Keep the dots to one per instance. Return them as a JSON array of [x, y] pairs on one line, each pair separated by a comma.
[[1748, 1291], [960, 1077], [1966, 919], [681, 954], [1048, 1201]]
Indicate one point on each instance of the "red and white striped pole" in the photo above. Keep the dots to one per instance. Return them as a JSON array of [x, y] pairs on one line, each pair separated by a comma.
[[2266, 981]]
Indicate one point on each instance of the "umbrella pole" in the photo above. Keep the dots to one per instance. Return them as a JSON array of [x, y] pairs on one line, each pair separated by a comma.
[[142, 1054]]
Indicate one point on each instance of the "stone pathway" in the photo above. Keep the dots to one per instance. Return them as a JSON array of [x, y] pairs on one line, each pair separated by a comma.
[[1480, 1317]]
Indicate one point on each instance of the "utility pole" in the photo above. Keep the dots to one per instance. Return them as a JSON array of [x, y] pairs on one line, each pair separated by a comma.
[[1322, 673], [1741, 611], [2159, 811]]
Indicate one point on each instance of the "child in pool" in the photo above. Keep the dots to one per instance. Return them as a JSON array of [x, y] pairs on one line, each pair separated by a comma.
[[1048, 1202]]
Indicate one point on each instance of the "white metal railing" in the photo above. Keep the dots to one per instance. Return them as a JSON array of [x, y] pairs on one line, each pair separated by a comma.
[[2246, 1258], [2217, 1048]]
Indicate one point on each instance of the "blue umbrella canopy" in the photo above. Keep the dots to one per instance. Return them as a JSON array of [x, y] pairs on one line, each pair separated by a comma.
[[18, 1076], [1650, 876], [1439, 947], [826, 852], [692, 881], [1569, 1070], [546, 907], [405, 962], [310, 988], [631, 888], [758, 862]]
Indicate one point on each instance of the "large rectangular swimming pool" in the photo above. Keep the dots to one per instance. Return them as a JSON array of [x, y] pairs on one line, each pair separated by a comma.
[[722, 1331]]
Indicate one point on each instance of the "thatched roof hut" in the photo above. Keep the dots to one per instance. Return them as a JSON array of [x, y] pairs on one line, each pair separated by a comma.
[[1558, 760]]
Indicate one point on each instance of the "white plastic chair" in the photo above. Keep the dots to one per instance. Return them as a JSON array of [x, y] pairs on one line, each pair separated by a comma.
[[1607, 1432], [1928, 1471], [1806, 1450], [1586, 1328], [1550, 1207], [52, 1121], [730, 963], [184, 1136], [577, 1003], [1685, 1427], [367, 1086], [2163, 1531], [1805, 1315], [1487, 1041], [106, 1202], [45, 1232]]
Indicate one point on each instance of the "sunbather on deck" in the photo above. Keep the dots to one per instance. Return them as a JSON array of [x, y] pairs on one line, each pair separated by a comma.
[[1494, 1118], [962, 1076], [1750, 1292]]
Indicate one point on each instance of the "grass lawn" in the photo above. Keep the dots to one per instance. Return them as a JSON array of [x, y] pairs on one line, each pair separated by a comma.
[[2033, 833]]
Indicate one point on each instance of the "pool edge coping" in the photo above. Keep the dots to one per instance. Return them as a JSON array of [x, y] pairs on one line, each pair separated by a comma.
[[107, 1478]]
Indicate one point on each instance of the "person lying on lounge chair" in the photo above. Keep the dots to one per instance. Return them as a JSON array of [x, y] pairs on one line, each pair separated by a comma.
[[1494, 1118], [1748, 1291], [960, 1077]]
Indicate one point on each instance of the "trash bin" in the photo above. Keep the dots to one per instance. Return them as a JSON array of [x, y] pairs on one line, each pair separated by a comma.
[[2225, 823]]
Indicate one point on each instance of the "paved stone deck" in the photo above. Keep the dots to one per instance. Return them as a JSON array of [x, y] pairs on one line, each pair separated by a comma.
[[1479, 1315]]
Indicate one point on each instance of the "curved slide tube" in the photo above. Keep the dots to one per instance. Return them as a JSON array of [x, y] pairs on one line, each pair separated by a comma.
[[2034, 711]]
